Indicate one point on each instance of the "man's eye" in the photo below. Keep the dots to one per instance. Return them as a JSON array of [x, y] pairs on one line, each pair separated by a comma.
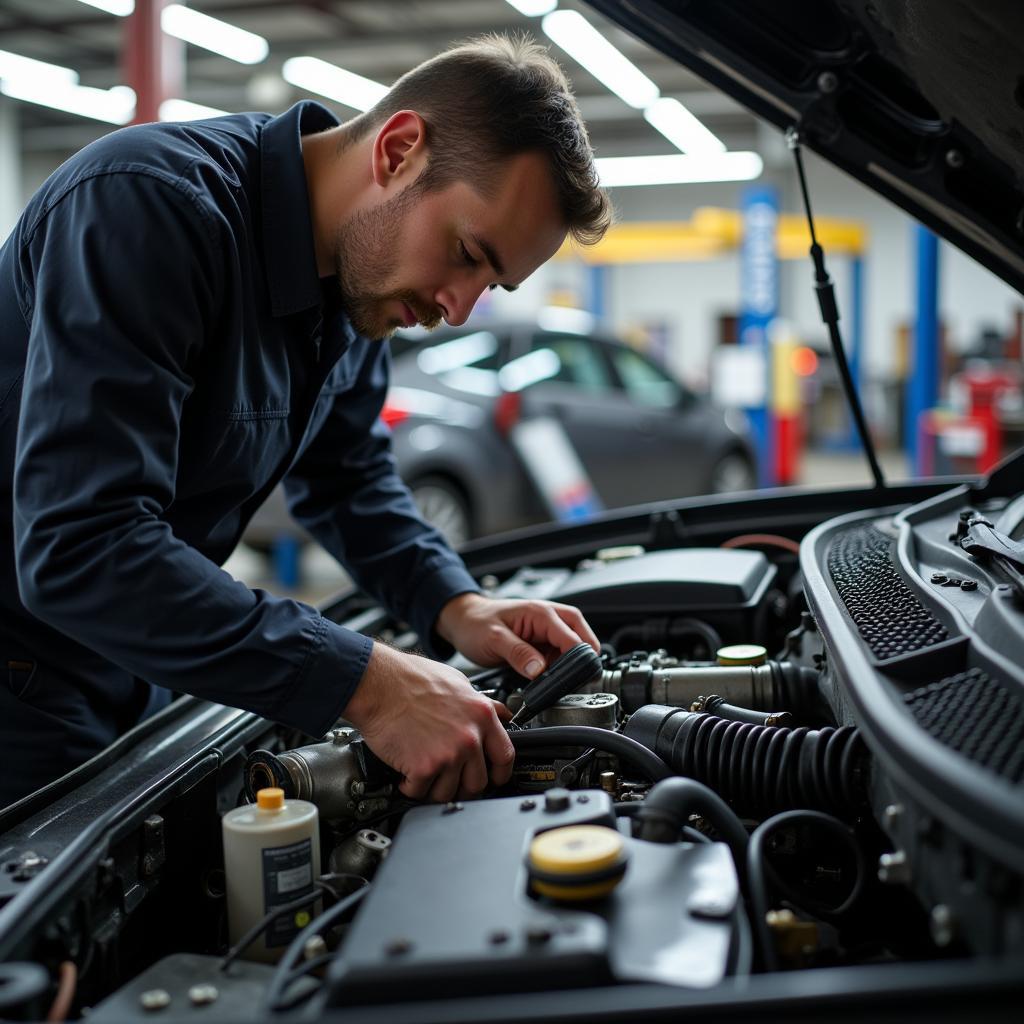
[[467, 257]]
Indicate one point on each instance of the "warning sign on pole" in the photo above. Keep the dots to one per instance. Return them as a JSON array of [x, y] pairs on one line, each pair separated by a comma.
[[555, 468]]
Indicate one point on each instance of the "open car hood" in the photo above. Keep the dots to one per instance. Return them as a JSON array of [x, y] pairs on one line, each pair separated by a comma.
[[921, 101]]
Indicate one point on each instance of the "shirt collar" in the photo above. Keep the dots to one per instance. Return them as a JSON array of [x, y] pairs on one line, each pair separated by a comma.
[[289, 249]]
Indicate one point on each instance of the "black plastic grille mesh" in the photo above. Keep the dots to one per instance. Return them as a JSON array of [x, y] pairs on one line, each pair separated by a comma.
[[977, 716], [888, 616]]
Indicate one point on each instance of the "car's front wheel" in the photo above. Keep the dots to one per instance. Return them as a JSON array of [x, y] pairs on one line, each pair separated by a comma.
[[732, 472], [443, 505]]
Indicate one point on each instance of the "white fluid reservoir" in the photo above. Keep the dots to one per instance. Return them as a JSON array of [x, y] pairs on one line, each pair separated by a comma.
[[271, 860]]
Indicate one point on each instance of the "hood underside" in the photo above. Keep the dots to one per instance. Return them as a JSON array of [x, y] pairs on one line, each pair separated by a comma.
[[921, 100]]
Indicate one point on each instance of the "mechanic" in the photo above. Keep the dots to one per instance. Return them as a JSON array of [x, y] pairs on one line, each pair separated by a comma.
[[190, 313]]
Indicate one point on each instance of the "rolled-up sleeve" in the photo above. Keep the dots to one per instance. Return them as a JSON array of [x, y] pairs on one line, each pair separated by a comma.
[[126, 274]]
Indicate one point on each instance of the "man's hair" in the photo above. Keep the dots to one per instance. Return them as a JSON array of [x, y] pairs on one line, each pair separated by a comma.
[[491, 98]]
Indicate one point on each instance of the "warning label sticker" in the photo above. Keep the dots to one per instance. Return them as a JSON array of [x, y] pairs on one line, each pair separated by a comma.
[[287, 876]]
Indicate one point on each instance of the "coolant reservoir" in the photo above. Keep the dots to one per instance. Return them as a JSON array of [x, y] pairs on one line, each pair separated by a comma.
[[271, 859]]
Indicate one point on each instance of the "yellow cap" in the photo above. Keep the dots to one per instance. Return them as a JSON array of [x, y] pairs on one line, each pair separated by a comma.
[[742, 654], [270, 799], [577, 853]]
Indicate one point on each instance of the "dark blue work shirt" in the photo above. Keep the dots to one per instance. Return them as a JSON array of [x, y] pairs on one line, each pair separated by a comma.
[[168, 353]]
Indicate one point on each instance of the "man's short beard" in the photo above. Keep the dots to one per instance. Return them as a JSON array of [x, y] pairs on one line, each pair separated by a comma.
[[365, 256]]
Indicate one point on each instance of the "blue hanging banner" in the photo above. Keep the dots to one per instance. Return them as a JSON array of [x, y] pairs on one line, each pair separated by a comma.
[[759, 305]]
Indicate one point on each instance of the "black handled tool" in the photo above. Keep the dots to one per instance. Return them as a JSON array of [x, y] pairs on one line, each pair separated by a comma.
[[577, 667]]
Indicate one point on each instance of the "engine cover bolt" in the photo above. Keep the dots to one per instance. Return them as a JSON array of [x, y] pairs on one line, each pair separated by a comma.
[[939, 577], [557, 800], [528, 805], [538, 934], [893, 868], [828, 82], [969, 585], [892, 814], [942, 925], [498, 938], [202, 995], [398, 947], [155, 999], [955, 158]]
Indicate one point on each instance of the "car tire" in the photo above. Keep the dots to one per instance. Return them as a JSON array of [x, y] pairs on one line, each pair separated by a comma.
[[732, 472], [444, 506]]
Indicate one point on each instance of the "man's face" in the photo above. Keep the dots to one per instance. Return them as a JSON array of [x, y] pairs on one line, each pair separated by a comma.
[[420, 257]]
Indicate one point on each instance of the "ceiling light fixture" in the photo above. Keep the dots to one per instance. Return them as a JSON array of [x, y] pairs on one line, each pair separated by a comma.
[[335, 83], [186, 110], [213, 35], [574, 34], [533, 8], [122, 8], [622, 171], [14, 67], [681, 128], [115, 106]]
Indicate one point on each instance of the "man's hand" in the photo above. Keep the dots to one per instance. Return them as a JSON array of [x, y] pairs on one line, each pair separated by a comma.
[[425, 720], [526, 634]]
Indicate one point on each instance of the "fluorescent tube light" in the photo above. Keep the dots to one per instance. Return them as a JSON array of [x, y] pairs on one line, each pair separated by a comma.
[[533, 8], [335, 83], [185, 110], [565, 318], [542, 364], [464, 351], [29, 72], [122, 8], [574, 34], [115, 106], [681, 128], [620, 171], [213, 34]]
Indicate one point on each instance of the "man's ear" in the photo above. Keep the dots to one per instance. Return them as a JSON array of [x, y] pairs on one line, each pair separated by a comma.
[[399, 149]]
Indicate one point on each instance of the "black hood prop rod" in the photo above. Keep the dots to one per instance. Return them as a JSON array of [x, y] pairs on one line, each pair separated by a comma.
[[825, 291]]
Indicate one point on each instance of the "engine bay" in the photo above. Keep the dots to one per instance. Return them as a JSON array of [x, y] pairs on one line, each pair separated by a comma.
[[799, 752]]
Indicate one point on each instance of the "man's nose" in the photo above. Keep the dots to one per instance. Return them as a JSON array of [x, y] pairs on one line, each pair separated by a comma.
[[458, 301]]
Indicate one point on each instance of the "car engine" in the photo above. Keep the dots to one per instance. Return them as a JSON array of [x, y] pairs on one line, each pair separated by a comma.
[[797, 752]]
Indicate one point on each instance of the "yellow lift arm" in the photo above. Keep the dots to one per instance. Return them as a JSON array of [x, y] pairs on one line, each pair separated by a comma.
[[712, 232]]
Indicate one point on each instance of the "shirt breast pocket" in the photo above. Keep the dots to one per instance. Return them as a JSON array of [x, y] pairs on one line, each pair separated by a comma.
[[235, 451]]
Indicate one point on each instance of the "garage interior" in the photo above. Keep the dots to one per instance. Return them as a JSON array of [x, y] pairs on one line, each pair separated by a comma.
[[934, 340]]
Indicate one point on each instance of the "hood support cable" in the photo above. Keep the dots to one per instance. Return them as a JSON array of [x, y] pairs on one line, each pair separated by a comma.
[[825, 291]]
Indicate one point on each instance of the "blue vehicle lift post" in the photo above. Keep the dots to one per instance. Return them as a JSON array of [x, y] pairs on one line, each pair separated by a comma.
[[923, 380]]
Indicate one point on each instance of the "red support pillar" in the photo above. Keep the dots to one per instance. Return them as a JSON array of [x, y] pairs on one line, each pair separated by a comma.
[[153, 63]]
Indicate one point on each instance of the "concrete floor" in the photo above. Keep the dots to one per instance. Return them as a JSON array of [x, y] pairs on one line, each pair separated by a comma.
[[846, 469], [321, 576]]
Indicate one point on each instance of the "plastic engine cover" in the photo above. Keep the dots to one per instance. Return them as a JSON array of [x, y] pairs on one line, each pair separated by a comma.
[[450, 910]]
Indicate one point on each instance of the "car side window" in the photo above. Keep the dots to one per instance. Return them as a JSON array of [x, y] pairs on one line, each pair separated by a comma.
[[644, 382], [580, 362]]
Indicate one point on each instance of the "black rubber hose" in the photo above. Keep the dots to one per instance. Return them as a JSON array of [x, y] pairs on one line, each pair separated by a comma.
[[758, 886], [669, 805], [795, 688], [283, 973], [718, 706], [758, 770], [631, 809], [637, 754]]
